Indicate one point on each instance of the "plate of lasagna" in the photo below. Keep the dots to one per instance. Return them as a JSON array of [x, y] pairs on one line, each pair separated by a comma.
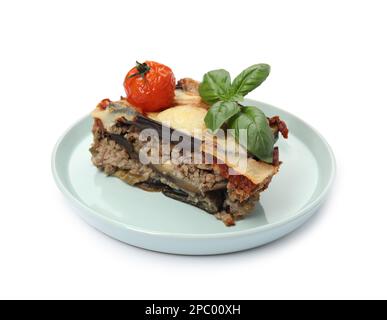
[[193, 167]]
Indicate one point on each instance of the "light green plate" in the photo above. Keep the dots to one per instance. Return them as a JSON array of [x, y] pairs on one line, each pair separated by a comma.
[[152, 221]]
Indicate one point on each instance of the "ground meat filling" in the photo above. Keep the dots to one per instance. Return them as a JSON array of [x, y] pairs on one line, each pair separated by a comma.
[[109, 156], [203, 185], [202, 175]]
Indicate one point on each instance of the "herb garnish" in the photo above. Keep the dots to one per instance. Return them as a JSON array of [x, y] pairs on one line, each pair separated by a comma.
[[224, 96]]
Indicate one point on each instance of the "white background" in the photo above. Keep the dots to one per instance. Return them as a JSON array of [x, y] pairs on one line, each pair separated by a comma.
[[329, 67]]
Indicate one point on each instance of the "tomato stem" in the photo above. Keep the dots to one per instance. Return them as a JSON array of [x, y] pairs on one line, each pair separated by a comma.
[[142, 69]]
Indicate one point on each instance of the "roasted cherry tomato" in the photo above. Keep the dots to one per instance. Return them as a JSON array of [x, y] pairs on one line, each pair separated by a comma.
[[150, 86]]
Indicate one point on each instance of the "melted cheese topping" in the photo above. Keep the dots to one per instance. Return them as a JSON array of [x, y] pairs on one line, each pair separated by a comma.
[[121, 109], [189, 98], [188, 119]]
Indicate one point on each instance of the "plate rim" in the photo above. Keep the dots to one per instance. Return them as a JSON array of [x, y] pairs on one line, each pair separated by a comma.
[[302, 212]]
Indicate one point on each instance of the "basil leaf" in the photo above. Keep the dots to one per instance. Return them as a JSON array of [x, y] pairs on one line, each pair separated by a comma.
[[219, 113], [250, 78], [260, 139], [236, 97], [216, 86]]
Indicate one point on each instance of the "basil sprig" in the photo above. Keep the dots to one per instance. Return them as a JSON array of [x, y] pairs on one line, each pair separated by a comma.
[[224, 95]]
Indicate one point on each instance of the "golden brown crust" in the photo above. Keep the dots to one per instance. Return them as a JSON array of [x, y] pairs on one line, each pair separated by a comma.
[[227, 218], [188, 85], [187, 93]]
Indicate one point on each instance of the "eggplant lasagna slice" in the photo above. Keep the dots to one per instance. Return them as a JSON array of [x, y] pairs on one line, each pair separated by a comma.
[[116, 147]]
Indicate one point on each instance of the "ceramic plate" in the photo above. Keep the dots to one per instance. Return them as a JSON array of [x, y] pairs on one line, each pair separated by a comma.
[[152, 221]]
